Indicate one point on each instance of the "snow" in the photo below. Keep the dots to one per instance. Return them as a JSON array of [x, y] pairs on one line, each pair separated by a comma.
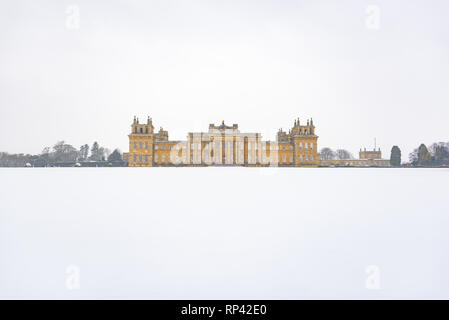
[[222, 233]]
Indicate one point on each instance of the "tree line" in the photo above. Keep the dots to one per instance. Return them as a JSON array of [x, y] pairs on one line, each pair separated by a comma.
[[63, 153], [339, 154], [436, 155]]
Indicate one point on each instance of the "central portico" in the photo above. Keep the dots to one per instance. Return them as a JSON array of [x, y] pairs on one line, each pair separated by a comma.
[[222, 145]]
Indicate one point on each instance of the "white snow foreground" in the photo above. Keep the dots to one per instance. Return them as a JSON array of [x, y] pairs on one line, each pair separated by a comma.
[[222, 233]]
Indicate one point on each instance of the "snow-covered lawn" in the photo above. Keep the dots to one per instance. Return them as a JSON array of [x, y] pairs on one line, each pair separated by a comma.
[[206, 233]]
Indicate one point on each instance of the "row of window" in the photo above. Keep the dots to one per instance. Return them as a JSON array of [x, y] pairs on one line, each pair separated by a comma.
[[306, 145], [141, 157], [141, 145], [162, 147], [140, 130], [230, 146], [218, 159], [306, 159]]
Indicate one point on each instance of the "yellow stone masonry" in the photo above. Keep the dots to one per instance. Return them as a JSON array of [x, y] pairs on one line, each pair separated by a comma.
[[222, 146]]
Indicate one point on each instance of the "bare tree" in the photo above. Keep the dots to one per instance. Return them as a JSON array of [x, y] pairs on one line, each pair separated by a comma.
[[413, 157], [327, 154], [63, 152], [343, 154]]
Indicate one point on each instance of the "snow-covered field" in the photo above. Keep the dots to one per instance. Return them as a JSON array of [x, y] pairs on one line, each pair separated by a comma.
[[207, 233]]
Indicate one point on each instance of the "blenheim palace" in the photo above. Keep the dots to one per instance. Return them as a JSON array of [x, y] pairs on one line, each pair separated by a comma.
[[222, 145]]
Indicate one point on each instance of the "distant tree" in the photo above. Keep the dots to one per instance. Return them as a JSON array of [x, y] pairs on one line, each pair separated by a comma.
[[84, 152], [5, 160], [327, 154], [105, 152], [424, 156], [343, 154], [45, 155], [63, 152], [395, 158], [95, 152], [413, 157], [440, 153], [14, 160], [116, 155], [436, 155]]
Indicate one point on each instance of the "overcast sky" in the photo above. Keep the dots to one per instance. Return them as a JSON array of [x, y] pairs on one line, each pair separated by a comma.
[[359, 72]]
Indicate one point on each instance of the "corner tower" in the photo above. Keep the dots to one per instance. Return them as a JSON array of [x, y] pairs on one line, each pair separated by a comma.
[[141, 140], [305, 144]]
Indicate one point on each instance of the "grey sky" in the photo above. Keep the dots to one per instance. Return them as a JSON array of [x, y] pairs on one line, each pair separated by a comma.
[[257, 63]]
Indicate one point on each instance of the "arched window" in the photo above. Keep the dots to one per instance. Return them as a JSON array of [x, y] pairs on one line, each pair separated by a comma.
[[135, 129], [146, 158], [135, 145], [300, 158], [146, 144], [146, 130], [300, 145], [140, 144], [307, 145], [141, 130]]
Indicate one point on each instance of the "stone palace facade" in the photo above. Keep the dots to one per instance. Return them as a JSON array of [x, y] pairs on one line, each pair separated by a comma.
[[222, 145]]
